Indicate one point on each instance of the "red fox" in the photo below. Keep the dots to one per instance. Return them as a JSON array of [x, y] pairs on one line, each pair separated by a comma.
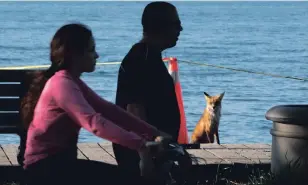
[[207, 126]]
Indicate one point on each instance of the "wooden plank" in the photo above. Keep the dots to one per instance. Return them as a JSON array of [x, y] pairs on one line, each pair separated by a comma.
[[108, 148], [258, 145], [94, 152], [237, 148], [215, 154], [80, 155], [268, 152], [204, 157], [11, 90], [230, 155], [211, 146], [225, 153], [9, 118], [9, 122], [255, 155], [11, 75], [234, 146], [9, 129], [3, 158], [11, 151], [264, 161], [106, 143], [241, 160], [9, 104]]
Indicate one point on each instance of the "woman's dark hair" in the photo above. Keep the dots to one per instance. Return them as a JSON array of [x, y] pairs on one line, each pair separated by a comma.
[[154, 16], [69, 39]]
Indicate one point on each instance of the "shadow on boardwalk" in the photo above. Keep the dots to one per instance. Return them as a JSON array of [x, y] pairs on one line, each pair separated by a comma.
[[201, 174]]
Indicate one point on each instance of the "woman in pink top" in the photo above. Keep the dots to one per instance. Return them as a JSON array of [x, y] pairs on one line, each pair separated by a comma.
[[59, 104]]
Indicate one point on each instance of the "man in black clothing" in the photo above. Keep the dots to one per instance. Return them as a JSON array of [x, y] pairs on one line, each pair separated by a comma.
[[145, 87]]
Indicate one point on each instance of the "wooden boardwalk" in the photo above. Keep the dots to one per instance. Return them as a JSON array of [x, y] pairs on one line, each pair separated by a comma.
[[207, 154]]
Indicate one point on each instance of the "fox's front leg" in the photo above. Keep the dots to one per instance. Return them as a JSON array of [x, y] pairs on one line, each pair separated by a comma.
[[217, 137]]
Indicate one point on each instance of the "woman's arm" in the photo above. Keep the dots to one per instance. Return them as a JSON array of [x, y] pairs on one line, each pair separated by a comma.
[[119, 116], [69, 97]]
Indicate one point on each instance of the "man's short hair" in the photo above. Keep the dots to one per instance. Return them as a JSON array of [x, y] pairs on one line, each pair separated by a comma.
[[154, 16]]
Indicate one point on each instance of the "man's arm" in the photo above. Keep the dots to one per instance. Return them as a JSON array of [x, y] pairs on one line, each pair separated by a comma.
[[137, 110]]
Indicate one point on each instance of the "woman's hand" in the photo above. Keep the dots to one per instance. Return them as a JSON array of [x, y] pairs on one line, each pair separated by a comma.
[[163, 138], [151, 149]]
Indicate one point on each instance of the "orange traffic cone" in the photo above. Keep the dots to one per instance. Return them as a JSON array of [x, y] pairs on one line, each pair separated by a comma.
[[174, 72]]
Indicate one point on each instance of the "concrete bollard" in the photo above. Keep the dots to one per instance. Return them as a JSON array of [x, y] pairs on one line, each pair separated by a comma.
[[289, 142]]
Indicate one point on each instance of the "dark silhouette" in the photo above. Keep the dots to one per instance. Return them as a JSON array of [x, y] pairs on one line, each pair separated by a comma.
[[145, 87]]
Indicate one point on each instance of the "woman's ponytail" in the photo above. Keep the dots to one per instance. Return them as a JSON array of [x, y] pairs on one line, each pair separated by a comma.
[[35, 88]]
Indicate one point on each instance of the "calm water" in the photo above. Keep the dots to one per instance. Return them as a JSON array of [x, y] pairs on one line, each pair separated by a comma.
[[259, 36]]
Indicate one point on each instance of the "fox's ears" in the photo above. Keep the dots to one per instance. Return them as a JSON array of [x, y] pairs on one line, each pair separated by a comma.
[[206, 95], [221, 95]]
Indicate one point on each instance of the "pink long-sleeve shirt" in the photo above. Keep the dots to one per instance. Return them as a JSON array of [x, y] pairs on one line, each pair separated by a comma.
[[66, 104]]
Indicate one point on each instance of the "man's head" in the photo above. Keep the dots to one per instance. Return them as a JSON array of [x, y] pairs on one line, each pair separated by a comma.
[[160, 21]]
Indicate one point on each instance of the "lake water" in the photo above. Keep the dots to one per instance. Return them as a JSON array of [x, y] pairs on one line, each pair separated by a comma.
[[266, 37]]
